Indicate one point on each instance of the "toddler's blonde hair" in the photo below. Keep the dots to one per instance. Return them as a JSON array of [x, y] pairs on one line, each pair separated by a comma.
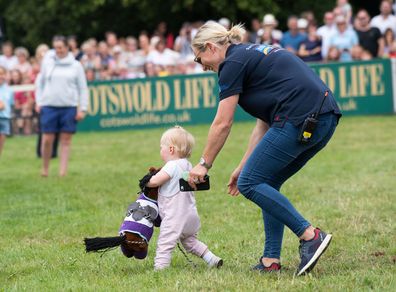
[[179, 138]]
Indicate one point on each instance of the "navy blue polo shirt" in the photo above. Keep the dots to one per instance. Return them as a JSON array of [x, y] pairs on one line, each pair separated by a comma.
[[273, 84]]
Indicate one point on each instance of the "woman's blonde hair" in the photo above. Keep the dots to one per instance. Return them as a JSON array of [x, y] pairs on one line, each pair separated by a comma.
[[179, 138], [214, 32]]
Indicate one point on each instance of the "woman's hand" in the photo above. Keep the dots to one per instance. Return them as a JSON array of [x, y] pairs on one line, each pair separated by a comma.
[[232, 183], [80, 116], [197, 175]]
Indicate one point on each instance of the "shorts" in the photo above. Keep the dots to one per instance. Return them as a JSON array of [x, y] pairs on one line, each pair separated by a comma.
[[58, 119], [5, 128]]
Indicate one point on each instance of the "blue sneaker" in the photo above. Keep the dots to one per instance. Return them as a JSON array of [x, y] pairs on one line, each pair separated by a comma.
[[311, 250], [274, 267]]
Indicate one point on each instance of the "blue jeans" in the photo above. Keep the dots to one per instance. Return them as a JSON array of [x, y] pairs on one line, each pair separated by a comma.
[[277, 157]]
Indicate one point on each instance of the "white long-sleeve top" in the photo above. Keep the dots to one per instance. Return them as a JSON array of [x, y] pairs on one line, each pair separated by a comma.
[[62, 82]]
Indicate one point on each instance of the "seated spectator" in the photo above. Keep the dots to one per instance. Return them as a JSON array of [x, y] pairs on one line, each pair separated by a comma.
[[23, 64], [133, 59], [344, 39], [267, 38], [311, 48], [385, 19], [73, 47], [370, 38], [357, 52], [333, 55], [292, 39], [8, 60], [90, 74], [389, 40], [150, 69], [326, 31], [392, 51]]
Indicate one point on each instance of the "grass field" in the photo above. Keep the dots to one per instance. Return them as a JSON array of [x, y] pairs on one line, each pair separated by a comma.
[[348, 190]]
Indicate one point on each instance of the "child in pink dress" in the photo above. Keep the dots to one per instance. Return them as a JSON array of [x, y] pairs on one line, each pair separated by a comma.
[[178, 211]]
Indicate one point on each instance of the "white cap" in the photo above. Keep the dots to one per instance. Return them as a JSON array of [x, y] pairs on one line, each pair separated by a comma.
[[302, 23], [225, 22], [269, 19]]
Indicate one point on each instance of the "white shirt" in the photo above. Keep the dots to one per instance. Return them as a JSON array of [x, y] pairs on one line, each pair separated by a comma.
[[325, 32], [382, 23], [8, 62], [175, 169]]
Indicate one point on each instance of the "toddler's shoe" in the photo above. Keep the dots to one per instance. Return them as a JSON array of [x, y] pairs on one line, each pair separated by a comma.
[[215, 262], [311, 250]]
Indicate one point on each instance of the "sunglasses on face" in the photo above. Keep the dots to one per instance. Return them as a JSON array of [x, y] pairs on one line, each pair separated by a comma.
[[197, 58]]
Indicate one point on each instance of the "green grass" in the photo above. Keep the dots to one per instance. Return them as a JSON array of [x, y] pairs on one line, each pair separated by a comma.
[[348, 190]]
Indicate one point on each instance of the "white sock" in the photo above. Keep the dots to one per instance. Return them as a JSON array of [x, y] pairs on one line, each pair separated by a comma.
[[208, 256]]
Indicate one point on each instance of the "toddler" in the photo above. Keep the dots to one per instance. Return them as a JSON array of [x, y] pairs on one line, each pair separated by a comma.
[[6, 101], [180, 220]]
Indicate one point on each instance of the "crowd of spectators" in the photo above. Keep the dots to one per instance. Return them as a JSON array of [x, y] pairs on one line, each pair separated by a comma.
[[344, 36]]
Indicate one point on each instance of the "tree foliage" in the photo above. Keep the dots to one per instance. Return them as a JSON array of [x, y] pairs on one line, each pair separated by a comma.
[[30, 22]]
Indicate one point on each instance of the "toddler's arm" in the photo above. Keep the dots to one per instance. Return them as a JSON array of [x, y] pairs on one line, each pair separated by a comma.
[[1, 105], [159, 179]]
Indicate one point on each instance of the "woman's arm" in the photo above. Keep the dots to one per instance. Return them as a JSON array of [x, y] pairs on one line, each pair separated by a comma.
[[218, 133]]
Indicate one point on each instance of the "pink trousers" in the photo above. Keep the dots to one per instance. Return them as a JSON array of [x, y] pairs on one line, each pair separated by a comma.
[[180, 222]]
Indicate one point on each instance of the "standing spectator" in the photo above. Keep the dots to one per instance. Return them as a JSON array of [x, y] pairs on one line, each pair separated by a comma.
[[370, 38], [73, 47], [144, 43], [6, 101], [309, 16], [90, 60], [106, 58], [62, 100], [134, 59], [23, 104], [311, 48], [326, 31], [346, 9], [389, 41], [8, 59], [118, 69], [344, 39], [270, 23], [302, 25], [41, 50], [292, 39], [111, 40], [385, 19], [183, 41], [254, 36], [224, 21], [163, 33], [162, 56], [23, 64]]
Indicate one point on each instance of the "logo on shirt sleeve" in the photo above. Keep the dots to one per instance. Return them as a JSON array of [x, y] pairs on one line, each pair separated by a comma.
[[264, 49]]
